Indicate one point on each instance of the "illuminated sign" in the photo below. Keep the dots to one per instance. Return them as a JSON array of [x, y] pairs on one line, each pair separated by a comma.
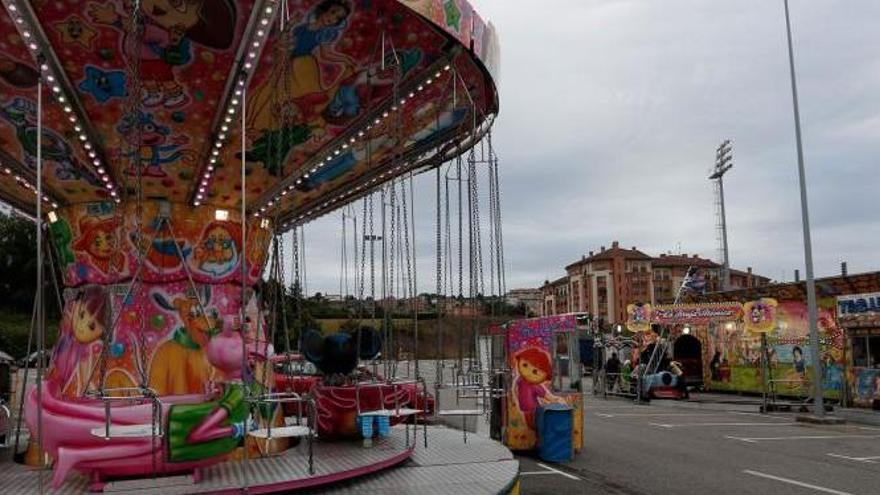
[[858, 304]]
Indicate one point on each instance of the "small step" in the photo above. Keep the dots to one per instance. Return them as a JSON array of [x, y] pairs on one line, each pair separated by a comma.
[[282, 432], [294, 421], [127, 431], [393, 413], [174, 484]]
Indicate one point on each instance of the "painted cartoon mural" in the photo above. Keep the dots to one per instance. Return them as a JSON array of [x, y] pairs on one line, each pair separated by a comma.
[[152, 147], [17, 74], [79, 347], [131, 122], [333, 78], [179, 365], [180, 62], [102, 245], [330, 73], [98, 242], [639, 317], [173, 357], [218, 251], [529, 345], [185, 345], [733, 338], [760, 316], [64, 161], [865, 389], [859, 316], [737, 349], [20, 113], [169, 31], [532, 382]]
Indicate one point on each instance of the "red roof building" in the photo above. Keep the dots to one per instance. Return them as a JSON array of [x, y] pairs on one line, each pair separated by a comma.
[[603, 283]]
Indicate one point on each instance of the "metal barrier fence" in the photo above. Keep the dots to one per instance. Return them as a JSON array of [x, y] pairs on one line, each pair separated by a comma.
[[615, 384]]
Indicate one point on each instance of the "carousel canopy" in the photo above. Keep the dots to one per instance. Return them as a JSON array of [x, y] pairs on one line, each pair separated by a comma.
[[312, 102]]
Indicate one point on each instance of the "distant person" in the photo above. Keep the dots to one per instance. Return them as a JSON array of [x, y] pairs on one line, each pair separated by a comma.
[[680, 382], [715, 366], [876, 403], [626, 372], [798, 360], [612, 371]]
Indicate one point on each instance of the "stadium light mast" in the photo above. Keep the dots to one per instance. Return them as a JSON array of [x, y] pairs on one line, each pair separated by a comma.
[[723, 164]]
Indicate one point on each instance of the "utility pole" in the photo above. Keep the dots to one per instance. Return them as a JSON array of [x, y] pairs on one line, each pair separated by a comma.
[[723, 163], [818, 398]]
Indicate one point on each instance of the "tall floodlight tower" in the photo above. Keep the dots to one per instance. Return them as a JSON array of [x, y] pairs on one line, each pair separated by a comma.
[[723, 163]]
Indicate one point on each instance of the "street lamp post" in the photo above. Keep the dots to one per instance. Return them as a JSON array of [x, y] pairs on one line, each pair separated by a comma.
[[818, 399]]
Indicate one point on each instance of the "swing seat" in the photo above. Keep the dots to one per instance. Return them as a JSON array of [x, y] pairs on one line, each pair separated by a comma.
[[126, 431], [281, 432], [461, 412], [392, 413], [469, 386]]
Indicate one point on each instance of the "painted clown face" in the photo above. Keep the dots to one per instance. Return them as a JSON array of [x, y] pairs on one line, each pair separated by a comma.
[[757, 314], [219, 246], [85, 324], [531, 373], [101, 245], [218, 251]]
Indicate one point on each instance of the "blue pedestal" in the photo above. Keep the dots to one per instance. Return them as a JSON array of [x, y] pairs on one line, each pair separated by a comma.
[[554, 423]]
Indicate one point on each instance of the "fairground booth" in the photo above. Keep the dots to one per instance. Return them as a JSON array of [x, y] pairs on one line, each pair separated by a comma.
[[539, 410], [757, 340], [690, 333], [859, 315], [759, 346]]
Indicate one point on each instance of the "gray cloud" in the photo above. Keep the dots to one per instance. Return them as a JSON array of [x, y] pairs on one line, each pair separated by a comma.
[[611, 112]]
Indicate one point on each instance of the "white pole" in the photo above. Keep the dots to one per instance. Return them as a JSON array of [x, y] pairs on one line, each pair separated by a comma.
[[41, 319], [818, 399], [243, 257]]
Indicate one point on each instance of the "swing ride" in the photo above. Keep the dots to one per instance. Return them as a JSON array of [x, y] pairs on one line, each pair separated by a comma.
[[165, 151]]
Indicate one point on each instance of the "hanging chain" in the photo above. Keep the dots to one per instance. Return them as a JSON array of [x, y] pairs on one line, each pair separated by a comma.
[[297, 285], [410, 287], [479, 285], [502, 274]]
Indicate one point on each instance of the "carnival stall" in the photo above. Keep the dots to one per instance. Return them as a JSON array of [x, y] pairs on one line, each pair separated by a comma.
[[532, 349], [761, 346], [859, 317]]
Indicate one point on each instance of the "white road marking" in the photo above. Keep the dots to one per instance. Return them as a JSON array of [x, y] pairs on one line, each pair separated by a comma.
[[768, 416], [648, 415], [569, 476], [689, 425], [869, 460], [795, 482], [800, 437], [747, 440], [612, 408]]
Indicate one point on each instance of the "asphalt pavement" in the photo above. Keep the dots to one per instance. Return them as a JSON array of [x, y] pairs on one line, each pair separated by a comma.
[[709, 447]]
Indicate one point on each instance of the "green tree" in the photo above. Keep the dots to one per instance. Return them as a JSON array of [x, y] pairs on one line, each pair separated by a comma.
[[18, 263]]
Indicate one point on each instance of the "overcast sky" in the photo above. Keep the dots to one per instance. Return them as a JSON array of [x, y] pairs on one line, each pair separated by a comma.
[[611, 112]]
